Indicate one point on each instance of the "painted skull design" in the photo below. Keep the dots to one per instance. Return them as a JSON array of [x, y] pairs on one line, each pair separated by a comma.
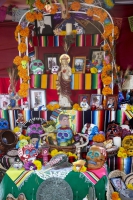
[[127, 144], [64, 136], [34, 128], [36, 67], [96, 157], [55, 69], [27, 153]]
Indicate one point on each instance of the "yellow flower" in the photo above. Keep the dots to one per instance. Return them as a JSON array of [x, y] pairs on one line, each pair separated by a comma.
[[73, 70], [106, 90], [93, 70], [22, 47], [130, 186], [38, 164], [107, 80]]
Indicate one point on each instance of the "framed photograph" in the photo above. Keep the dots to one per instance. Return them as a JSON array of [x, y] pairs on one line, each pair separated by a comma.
[[51, 60], [96, 100], [111, 102], [37, 98], [79, 64], [4, 101], [44, 26], [84, 100], [96, 54], [117, 183]]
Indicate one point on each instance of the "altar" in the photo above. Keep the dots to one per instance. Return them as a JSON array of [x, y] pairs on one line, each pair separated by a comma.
[[27, 182]]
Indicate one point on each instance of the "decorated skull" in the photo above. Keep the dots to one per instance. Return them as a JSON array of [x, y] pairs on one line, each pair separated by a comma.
[[33, 129], [96, 157], [55, 69], [27, 153], [4, 124], [36, 67], [127, 144], [64, 136]]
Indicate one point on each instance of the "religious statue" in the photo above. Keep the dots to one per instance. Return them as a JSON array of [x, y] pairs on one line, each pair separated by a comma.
[[63, 82]]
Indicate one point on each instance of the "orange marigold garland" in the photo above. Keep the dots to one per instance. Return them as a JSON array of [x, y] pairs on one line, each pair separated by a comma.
[[89, 1], [24, 32], [30, 16], [38, 16], [107, 90], [22, 47], [98, 138], [54, 9], [90, 12], [17, 60], [75, 6], [39, 5]]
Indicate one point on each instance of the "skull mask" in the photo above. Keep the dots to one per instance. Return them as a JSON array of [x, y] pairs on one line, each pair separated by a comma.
[[34, 128], [64, 136], [36, 67], [27, 153], [55, 69], [96, 157]]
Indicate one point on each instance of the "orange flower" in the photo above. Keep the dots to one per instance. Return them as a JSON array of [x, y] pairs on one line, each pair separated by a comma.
[[116, 32], [107, 80], [75, 6], [38, 16], [25, 32], [107, 90], [115, 196], [99, 138], [17, 60], [54, 9], [30, 17], [106, 47], [89, 1], [39, 5], [22, 47], [26, 58], [90, 12], [18, 28]]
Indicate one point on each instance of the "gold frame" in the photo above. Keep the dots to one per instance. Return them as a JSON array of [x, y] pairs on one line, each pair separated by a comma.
[[115, 102]]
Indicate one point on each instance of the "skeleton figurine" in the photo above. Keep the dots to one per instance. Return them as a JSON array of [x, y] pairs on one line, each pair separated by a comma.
[[55, 69], [36, 67]]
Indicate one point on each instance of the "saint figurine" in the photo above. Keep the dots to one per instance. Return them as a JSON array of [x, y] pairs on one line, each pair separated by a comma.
[[63, 83]]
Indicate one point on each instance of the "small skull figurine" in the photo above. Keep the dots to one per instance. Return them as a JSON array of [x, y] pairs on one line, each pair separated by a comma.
[[55, 69], [36, 67], [64, 136], [96, 157]]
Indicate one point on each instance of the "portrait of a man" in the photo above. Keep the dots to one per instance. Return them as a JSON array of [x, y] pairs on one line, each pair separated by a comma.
[[98, 56], [44, 26]]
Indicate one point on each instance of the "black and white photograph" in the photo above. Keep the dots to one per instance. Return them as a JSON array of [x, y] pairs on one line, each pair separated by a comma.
[[52, 62], [79, 64], [96, 55], [4, 101], [118, 183], [37, 98], [44, 26]]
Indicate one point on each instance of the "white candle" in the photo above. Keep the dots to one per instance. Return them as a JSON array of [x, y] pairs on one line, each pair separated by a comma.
[[68, 28], [117, 141]]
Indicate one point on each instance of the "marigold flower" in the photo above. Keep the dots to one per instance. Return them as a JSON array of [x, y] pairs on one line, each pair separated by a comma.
[[30, 17], [25, 32], [106, 90], [26, 58], [38, 16], [89, 1], [22, 47], [39, 5], [115, 196], [54, 9], [90, 12], [17, 60], [107, 80], [75, 6]]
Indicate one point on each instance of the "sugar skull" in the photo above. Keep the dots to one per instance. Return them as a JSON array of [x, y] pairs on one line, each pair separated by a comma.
[[34, 128], [90, 130], [4, 124], [113, 129], [24, 64], [96, 157], [36, 67], [27, 153], [64, 136], [55, 69]]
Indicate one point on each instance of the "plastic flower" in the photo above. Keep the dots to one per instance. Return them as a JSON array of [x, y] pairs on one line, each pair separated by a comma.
[[22, 47], [75, 6], [38, 164], [93, 70], [106, 90]]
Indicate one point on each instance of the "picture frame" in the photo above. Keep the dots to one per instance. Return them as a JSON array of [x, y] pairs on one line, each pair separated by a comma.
[[54, 58], [81, 99], [44, 27], [96, 100], [96, 55], [117, 183], [37, 98], [111, 102], [4, 101], [79, 64]]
